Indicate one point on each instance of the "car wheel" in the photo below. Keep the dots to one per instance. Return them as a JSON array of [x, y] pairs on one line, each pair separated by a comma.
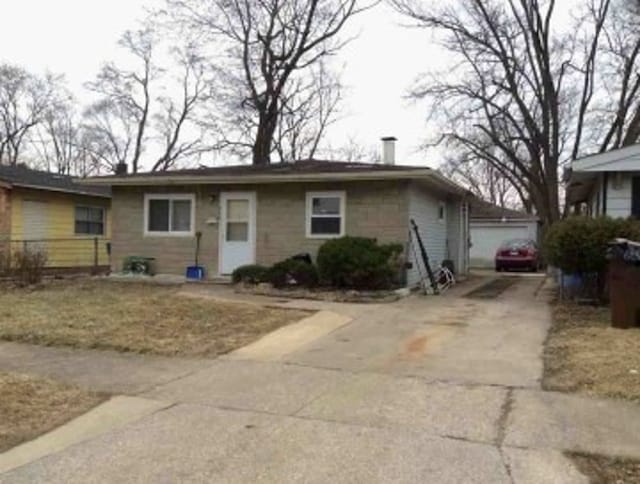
[[498, 269]]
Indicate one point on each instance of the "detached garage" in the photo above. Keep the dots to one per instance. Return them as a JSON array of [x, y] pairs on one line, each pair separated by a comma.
[[490, 225]]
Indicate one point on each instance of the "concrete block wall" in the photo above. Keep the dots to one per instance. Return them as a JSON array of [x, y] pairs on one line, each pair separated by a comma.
[[373, 209]]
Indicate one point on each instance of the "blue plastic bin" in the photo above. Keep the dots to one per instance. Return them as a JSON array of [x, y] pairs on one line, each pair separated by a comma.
[[195, 272]]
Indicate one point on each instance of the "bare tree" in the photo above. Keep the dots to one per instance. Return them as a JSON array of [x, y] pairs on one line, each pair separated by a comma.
[[122, 113], [24, 101], [109, 134], [619, 75], [486, 182], [266, 46], [182, 115], [514, 81], [56, 139], [354, 150], [308, 110]]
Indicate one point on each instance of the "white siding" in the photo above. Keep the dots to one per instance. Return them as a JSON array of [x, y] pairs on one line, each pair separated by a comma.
[[619, 194], [458, 235], [453, 234], [423, 208]]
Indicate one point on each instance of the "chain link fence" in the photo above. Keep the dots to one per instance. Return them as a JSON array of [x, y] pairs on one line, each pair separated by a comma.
[[80, 254]]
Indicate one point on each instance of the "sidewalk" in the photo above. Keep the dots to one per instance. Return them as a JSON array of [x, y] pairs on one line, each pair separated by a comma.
[[402, 393]]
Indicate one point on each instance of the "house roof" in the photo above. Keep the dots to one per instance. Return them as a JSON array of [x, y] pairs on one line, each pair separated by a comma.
[[22, 176], [299, 171], [583, 173], [621, 159], [482, 210]]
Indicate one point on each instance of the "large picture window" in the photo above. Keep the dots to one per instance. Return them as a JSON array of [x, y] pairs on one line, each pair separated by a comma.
[[89, 220], [171, 214], [325, 214]]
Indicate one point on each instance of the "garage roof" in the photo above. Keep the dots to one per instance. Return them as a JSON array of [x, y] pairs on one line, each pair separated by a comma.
[[482, 210]]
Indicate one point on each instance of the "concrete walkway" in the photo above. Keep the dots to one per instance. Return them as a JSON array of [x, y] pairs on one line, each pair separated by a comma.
[[424, 390]]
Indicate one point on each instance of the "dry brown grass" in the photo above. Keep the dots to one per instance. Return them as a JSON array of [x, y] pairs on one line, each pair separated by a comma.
[[607, 470], [585, 354], [135, 317], [32, 406]]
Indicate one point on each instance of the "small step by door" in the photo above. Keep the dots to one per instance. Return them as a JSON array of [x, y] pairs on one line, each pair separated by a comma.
[[237, 230]]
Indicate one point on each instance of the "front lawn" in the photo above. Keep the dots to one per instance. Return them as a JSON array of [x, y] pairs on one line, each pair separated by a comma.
[[32, 406], [135, 317], [585, 354], [607, 470]]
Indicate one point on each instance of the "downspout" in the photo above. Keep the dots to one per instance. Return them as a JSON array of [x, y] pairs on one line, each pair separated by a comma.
[[463, 246], [461, 241], [605, 183]]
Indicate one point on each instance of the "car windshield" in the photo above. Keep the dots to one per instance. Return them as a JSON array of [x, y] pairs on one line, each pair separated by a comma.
[[517, 244]]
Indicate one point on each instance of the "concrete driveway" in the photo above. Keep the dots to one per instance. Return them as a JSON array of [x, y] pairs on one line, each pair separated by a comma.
[[424, 390]]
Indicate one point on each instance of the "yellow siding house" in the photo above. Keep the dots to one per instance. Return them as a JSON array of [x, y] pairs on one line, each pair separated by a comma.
[[42, 211]]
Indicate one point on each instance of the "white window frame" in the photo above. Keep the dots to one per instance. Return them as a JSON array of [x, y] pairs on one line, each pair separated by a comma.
[[342, 195], [104, 220], [170, 197]]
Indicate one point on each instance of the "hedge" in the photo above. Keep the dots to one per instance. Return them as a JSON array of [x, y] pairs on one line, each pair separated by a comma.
[[359, 263], [579, 244]]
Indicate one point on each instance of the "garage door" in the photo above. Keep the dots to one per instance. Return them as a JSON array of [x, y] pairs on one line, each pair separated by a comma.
[[35, 221], [485, 241]]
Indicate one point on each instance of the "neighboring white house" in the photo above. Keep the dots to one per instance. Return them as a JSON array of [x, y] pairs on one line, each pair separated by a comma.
[[606, 183], [491, 225]]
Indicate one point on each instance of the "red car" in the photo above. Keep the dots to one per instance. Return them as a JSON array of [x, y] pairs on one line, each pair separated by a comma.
[[518, 254]]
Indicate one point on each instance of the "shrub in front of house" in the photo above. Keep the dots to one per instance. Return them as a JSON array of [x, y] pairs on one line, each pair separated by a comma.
[[578, 245], [293, 272], [5, 262], [27, 267], [250, 274], [359, 263]]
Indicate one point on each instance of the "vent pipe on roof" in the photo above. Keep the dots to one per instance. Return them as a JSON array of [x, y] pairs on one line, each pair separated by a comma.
[[389, 150]]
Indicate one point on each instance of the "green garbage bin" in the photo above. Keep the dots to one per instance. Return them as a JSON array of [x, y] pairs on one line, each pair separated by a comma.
[[135, 264]]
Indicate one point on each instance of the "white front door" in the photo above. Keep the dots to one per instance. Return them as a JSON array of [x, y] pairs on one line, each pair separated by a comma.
[[237, 230]]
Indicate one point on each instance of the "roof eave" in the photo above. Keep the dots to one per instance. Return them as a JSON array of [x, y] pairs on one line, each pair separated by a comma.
[[505, 220], [288, 178], [61, 190]]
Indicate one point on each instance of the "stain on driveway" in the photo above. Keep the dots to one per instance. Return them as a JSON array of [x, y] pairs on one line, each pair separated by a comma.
[[493, 288]]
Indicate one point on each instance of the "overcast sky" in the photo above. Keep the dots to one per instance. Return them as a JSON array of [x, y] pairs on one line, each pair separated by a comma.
[[74, 37]]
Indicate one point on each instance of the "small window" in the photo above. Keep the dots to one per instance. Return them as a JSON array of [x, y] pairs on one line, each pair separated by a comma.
[[238, 216], [169, 214], [89, 220], [442, 212], [325, 214]]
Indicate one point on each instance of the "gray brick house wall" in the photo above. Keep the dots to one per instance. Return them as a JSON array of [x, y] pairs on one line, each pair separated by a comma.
[[373, 209]]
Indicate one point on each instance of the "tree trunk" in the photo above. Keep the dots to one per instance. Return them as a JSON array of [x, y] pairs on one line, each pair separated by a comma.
[[263, 144]]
